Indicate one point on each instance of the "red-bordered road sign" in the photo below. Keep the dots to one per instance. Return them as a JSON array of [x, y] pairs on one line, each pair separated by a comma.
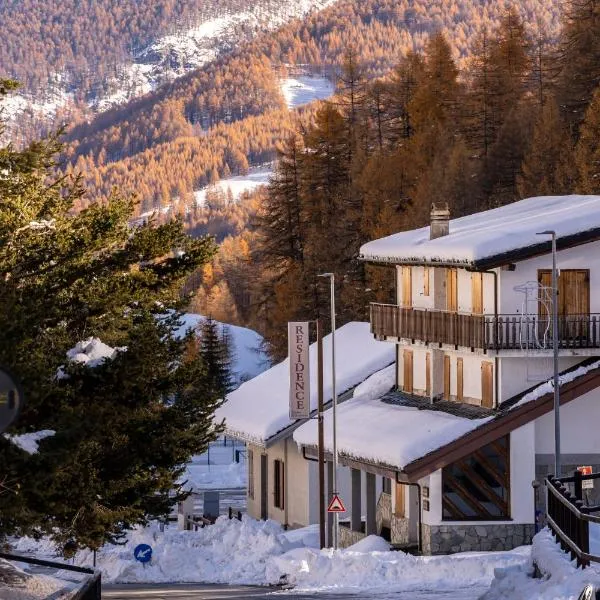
[[336, 505]]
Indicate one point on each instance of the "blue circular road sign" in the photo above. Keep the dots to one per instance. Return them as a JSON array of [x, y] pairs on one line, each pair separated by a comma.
[[143, 553]]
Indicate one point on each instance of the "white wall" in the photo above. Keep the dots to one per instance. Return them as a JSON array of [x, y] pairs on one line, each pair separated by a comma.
[[522, 461], [579, 422], [586, 256]]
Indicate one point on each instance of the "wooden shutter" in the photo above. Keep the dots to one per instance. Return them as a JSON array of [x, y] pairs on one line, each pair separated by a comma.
[[428, 374], [399, 509], [446, 378], [487, 384], [426, 275], [477, 293], [251, 474], [574, 292], [278, 484], [407, 286], [459, 380], [408, 372], [452, 290]]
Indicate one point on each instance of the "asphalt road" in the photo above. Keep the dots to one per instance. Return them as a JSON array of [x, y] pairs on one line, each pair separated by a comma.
[[233, 592]]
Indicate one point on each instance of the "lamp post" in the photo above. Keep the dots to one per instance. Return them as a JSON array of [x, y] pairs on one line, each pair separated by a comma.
[[336, 517], [557, 458]]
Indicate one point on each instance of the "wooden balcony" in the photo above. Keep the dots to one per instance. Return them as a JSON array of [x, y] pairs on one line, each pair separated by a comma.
[[483, 332]]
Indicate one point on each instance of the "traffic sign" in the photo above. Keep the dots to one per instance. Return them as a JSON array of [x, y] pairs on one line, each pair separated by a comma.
[[586, 484], [336, 505], [11, 399], [143, 553]]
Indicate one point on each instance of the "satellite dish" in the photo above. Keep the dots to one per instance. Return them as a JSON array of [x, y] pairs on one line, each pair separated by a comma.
[[11, 399]]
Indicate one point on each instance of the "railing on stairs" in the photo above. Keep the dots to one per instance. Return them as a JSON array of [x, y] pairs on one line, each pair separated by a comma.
[[569, 518]]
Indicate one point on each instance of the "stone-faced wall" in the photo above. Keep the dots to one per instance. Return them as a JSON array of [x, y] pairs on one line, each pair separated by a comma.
[[383, 515], [399, 531], [447, 539], [349, 537]]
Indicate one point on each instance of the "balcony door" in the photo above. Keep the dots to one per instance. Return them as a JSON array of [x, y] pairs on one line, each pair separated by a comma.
[[573, 301]]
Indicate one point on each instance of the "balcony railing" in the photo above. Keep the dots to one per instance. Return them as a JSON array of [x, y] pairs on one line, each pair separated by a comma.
[[486, 332]]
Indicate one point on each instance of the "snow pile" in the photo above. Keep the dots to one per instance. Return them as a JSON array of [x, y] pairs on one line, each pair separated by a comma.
[[259, 408], [226, 552], [361, 567], [491, 233], [92, 352], [548, 386], [386, 433], [261, 553], [377, 385], [304, 89], [249, 360], [561, 578], [29, 442]]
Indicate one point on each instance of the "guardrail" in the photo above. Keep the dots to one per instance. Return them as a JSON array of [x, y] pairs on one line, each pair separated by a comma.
[[91, 588], [569, 518]]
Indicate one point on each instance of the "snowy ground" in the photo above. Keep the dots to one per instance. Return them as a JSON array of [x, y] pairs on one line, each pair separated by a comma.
[[304, 89], [261, 553], [256, 177]]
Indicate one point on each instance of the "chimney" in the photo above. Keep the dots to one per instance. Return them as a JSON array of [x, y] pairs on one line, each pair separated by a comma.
[[440, 221]]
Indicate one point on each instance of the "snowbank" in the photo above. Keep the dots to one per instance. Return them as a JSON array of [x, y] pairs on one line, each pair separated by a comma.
[[304, 89], [561, 578], [259, 408], [261, 553], [492, 232], [29, 442]]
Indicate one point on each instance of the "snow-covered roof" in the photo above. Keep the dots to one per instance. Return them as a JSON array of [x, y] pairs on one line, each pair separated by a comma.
[[487, 238], [259, 408], [374, 431]]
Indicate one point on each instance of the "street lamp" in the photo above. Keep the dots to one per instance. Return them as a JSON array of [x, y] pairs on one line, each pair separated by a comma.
[[336, 517], [557, 459]]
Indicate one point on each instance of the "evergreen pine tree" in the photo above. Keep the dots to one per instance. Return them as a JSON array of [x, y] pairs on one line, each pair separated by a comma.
[[125, 428]]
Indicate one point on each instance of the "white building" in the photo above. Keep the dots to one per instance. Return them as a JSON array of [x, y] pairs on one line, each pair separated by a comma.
[[469, 425], [282, 483]]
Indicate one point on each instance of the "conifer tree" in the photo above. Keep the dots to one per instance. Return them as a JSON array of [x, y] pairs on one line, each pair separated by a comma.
[[124, 428], [215, 348], [587, 153]]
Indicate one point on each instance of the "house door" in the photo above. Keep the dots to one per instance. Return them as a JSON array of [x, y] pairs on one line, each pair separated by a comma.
[[573, 301], [264, 487]]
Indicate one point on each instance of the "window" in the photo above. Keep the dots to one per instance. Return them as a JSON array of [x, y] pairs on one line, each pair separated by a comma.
[[425, 281], [477, 293], [452, 290], [386, 485], [278, 477], [478, 487], [251, 474]]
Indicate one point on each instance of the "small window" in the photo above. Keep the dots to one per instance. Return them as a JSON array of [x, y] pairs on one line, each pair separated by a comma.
[[251, 474], [426, 281], [278, 484], [387, 485]]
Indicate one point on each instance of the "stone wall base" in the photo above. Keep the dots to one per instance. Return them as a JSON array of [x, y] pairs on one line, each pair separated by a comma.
[[447, 539], [399, 531], [349, 537]]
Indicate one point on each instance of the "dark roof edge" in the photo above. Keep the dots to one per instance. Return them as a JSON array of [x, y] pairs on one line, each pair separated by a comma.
[[496, 260]]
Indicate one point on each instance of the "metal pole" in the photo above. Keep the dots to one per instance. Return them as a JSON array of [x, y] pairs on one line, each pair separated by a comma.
[[556, 379], [336, 516], [321, 455], [557, 458]]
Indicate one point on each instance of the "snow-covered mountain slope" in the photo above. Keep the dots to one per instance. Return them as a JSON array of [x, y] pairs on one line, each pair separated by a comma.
[[165, 59]]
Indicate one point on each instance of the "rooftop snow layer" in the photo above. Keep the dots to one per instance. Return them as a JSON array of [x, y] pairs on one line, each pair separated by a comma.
[[384, 433], [491, 233], [259, 408]]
